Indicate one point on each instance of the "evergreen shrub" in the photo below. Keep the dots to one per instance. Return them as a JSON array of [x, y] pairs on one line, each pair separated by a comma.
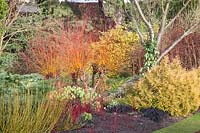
[[168, 87]]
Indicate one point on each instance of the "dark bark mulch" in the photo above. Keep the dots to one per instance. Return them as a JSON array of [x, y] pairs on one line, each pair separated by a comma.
[[134, 122]]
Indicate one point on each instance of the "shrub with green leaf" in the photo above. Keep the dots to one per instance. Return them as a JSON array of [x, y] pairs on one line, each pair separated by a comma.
[[168, 87], [7, 60], [88, 96], [81, 101]]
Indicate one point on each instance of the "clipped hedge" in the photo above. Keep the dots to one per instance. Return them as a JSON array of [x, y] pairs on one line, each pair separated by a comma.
[[168, 87]]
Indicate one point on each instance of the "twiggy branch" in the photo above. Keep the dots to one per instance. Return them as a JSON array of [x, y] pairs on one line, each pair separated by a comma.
[[136, 24], [7, 22], [139, 32], [148, 24], [188, 32], [15, 16], [177, 15], [163, 24], [10, 37], [14, 33]]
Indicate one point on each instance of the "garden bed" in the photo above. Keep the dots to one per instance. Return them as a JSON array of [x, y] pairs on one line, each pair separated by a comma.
[[133, 122]]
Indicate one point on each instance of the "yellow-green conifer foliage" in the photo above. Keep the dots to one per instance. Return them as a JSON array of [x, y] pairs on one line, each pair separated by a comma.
[[168, 87]]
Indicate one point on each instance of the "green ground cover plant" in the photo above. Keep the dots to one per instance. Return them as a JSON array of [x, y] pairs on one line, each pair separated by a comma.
[[115, 82], [16, 83], [6, 60]]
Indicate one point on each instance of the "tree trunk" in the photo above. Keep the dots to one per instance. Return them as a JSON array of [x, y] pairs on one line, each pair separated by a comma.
[[1, 45], [94, 72], [74, 79]]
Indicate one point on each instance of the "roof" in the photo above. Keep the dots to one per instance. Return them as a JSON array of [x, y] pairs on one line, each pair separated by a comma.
[[28, 8], [83, 1]]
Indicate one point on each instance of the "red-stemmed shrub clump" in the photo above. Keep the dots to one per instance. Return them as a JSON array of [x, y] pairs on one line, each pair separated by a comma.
[[43, 56], [67, 52], [187, 50]]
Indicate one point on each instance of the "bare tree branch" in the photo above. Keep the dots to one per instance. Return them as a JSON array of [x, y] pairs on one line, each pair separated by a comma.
[[14, 33], [188, 32], [148, 24], [12, 10], [163, 24], [177, 15], [10, 37], [138, 31], [1, 42], [7, 22], [136, 25]]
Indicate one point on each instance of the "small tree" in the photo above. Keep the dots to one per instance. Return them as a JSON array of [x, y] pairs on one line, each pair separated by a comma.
[[158, 13], [14, 23], [9, 15]]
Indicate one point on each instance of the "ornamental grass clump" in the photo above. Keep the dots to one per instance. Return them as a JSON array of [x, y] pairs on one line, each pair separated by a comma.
[[27, 113], [168, 87]]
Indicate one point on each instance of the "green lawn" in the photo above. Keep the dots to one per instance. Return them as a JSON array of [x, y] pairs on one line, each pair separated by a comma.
[[189, 125]]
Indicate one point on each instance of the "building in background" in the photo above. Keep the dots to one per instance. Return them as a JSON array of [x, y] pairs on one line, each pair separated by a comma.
[[83, 1]]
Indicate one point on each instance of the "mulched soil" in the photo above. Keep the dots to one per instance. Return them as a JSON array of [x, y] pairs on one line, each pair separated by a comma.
[[134, 122]]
